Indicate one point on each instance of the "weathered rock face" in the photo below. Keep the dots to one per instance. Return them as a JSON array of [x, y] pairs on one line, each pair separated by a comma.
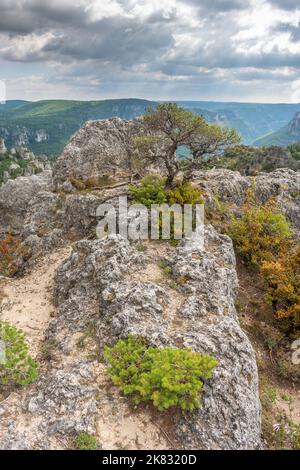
[[251, 161], [54, 219], [2, 147], [231, 187], [15, 196], [99, 149], [98, 283], [102, 286], [20, 162]]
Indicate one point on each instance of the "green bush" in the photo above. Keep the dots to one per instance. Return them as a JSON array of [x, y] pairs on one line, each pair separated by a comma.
[[260, 233], [85, 441], [19, 368], [184, 193], [168, 377], [151, 191]]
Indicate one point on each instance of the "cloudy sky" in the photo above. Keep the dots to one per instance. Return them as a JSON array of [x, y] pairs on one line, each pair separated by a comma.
[[239, 50]]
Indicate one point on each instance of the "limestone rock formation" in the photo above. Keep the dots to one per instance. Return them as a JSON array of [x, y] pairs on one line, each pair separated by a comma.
[[20, 162], [102, 284], [110, 289], [206, 320], [231, 187], [2, 147], [99, 149], [15, 196]]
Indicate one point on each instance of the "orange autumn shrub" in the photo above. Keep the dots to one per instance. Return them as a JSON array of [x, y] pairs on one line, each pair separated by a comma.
[[263, 238], [10, 252], [283, 279]]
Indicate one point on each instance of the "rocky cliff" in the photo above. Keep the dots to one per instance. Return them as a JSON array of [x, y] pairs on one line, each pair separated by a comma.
[[20, 161], [287, 135], [99, 150], [103, 290]]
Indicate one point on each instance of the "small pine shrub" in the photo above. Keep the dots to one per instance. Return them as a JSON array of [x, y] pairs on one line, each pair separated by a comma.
[[167, 270], [260, 233], [183, 193], [140, 247], [19, 368], [151, 191], [86, 441], [167, 377]]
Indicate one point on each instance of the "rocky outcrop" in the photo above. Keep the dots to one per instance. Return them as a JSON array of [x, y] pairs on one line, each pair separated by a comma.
[[99, 149], [231, 187], [20, 162], [294, 124], [120, 305], [101, 287], [54, 219], [15, 197], [2, 147], [41, 136]]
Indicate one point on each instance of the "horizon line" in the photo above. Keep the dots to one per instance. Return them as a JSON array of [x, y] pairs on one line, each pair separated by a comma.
[[155, 101]]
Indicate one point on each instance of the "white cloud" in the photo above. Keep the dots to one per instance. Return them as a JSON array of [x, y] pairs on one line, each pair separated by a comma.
[[180, 48]]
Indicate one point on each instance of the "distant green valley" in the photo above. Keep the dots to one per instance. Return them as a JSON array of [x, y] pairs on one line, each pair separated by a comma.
[[46, 126]]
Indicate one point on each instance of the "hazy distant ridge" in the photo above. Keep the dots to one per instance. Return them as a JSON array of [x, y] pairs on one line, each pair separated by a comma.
[[46, 126]]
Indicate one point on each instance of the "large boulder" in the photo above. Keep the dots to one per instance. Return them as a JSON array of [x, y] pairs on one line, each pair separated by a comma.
[[100, 283], [100, 149], [15, 197]]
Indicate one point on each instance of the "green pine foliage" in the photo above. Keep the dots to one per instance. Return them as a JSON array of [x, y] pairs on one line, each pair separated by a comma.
[[86, 441], [169, 377], [154, 190], [18, 368], [295, 151], [151, 191], [184, 193]]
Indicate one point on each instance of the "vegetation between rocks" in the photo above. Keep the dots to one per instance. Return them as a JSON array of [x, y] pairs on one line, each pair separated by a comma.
[[86, 441], [167, 377], [16, 365], [10, 251], [263, 238]]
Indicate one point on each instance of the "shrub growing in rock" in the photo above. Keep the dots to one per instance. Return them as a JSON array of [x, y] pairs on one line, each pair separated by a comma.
[[260, 233], [151, 191], [86, 441], [262, 236], [184, 193], [10, 251], [167, 377], [283, 278], [17, 367]]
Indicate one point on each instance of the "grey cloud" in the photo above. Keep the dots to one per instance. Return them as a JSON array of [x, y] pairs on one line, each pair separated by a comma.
[[219, 5], [28, 16], [118, 40], [289, 28], [128, 50], [285, 4]]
